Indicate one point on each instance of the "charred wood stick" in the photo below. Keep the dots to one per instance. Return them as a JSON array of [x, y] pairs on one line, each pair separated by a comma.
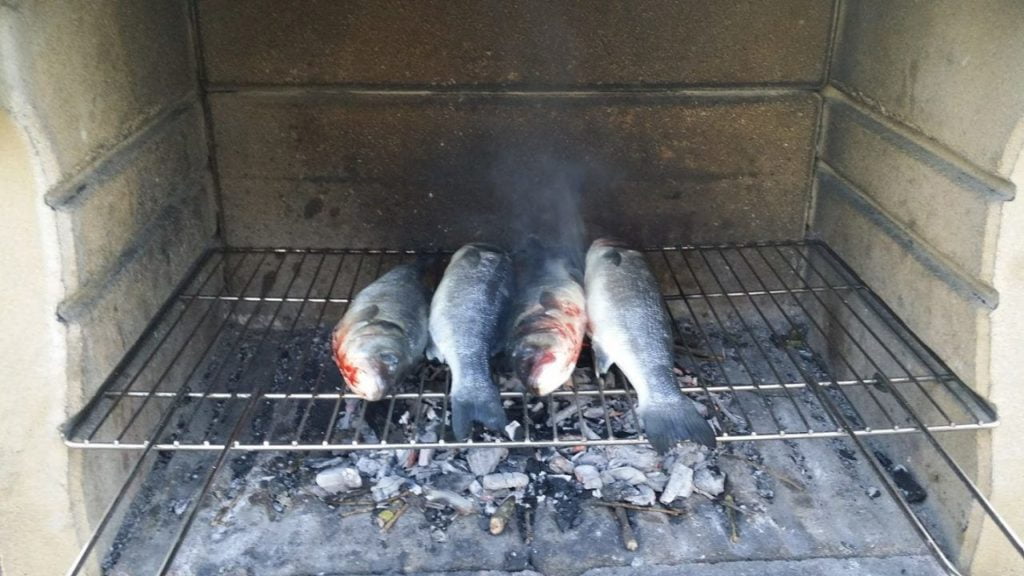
[[665, 511], [735, 535], [502, 515], [528, 526], [357, 511], [628, 537], [398, 514]]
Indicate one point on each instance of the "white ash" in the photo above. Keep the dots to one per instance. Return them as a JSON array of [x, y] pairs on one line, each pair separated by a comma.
[[387, 487], [560, 464], [339, 479], [644, 497], [483, 461], [368, 466], [506, 480], [588, 476], [511, 428], [679, 485], [640, 457], [690, 454], [709, 480], [321, 463], [455, 501], [626, 474], [657, 480]]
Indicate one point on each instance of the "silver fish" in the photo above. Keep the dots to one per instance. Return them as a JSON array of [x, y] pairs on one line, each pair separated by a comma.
[[384, 331], [630, 328], [467, 323], [549, 322]]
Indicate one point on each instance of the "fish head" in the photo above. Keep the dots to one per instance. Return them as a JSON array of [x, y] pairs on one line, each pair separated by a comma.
[[542, 362], [371, 366]]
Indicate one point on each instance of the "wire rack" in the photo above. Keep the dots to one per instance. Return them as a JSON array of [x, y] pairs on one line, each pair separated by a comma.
[[774, 340]]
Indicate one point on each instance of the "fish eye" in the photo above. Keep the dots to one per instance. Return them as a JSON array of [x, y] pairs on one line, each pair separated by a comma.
[[389, 359]]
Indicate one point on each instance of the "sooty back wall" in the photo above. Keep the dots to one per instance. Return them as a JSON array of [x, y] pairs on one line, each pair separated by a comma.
[[429, 123]]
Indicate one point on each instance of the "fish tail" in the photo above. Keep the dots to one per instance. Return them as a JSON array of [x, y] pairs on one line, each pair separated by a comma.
[[483, 408], [668, 423]]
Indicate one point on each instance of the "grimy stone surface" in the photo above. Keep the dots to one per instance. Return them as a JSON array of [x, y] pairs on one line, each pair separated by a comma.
[[261, 517], [123, 200], [517, 43], [411, 171], [944, 318], [94, 73], [119, 199], [927, 197], [949, 68]]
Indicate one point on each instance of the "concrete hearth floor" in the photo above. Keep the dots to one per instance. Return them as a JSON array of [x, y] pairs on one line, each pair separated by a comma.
[[263, 517]]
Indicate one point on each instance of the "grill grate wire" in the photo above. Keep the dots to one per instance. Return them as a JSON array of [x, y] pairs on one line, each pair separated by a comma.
[[760, 330], [775, 340]]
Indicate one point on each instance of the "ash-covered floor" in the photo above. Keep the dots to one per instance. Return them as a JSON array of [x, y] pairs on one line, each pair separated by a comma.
[[787, 507], [794, 501]]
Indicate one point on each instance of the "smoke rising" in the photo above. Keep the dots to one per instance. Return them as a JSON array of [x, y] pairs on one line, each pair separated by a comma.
[[543, 196]]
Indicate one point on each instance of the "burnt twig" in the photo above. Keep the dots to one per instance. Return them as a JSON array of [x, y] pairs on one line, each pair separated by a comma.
[[666, 511], [729, 510], [628, 537], [502, 515]]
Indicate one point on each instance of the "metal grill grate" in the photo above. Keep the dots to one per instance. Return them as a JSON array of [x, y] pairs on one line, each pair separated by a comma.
[[775, 340]]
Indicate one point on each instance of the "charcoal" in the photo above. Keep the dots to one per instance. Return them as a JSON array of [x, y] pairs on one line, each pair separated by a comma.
[[687, 453], [456, 502], [588, 476], [625, 474], [387, 487], [560, 464], [483, 461], [565, 495], [368, 466], [657, 480], [514, 430], [453, 482], [321, 463], [506, 480], [680, 483], [645, 496], [639, 457], [339, 479], [905, 481], [709, 480], [619, 492]]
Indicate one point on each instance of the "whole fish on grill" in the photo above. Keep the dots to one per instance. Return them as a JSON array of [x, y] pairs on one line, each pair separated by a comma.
[[384, 332], [467, 324], [549, 319], [630, 328]]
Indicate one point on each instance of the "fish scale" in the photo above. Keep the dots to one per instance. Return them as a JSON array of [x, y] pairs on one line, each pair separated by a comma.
[[549, 322], [467, 323], [631, 329], [384, 331]]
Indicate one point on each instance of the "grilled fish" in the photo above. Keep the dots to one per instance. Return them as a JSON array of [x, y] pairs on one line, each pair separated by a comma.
[[467, 323], [630, 328], [549, 321], [384, 331]]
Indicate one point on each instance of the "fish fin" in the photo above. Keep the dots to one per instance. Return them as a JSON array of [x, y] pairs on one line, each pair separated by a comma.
[[668, 423], [364, 315], [614, 257], [472, 256], [548, 300], [432, 352], [602, 362], [486, 410]]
